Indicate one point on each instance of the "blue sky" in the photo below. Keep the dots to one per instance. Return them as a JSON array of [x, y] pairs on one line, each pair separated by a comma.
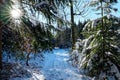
[[118, 7], [92, 14]]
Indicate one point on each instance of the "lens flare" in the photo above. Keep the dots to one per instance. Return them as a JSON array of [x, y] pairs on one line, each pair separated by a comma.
[[15, 13]]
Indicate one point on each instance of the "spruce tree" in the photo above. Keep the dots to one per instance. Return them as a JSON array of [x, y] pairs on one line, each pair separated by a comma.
[[101, 53]]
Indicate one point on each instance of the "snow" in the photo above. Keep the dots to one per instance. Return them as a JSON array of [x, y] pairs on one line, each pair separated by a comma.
[[109, 16], [95, 22], [86, 43], [55, 66], [93, 2], [107, 1], [87, 25]]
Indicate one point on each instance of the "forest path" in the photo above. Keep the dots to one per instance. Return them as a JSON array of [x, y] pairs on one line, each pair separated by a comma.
[[56, 67]]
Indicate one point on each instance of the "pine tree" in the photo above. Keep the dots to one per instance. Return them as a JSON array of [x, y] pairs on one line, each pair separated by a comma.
[[41, 35], [100, 53]]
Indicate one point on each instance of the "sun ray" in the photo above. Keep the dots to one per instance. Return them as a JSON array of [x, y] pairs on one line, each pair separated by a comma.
[[15, 13]]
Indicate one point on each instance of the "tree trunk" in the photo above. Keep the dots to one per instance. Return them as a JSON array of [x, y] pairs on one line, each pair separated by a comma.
[[27, 59], [72, 24], [0, 45]]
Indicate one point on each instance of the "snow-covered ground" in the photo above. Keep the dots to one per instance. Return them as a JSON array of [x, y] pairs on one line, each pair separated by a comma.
[[55, 66]]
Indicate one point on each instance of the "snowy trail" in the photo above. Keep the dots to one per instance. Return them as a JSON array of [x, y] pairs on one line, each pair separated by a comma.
[[56, 67]]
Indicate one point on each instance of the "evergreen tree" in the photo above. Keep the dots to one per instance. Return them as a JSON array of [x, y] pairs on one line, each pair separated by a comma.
[[100, 53], [78, 30], [62, 38], [40, 34]]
